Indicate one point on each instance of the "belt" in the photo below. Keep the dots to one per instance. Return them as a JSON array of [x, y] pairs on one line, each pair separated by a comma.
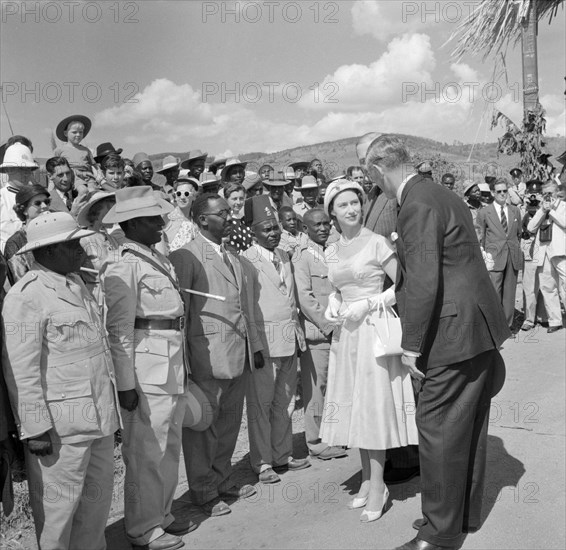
[[160, 324]]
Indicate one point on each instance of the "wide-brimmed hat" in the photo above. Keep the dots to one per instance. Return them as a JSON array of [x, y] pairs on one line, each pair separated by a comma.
[[136, 202], [105, 149], [216, 163], [336, 187], [139, 158], [208, 178], [18, 156], [251, 180], [27, 192], [193, 155], [308, 182], [62, 126], [169, 162], [468, 184], [52, 228], [186, 180], [276, 181], [82, 216], [288, 173], [229, 165]]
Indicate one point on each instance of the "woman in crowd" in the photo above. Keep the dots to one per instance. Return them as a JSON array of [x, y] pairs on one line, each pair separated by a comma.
[[240, 237], [31, 201], [367, 398], [181, 229]]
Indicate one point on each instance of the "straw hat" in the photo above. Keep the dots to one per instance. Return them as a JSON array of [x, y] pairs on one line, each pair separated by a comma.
[[468, 184], [336, 187], [229, 164], [193, 155], [62, 126], [169, 162], [18, 156], [52, 228], [136, 202], [82, 216]]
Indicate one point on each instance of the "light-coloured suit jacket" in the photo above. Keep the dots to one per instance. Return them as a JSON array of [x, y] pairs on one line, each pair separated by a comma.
[[557, 245], [276, 315], [494, 239], [220, 335]]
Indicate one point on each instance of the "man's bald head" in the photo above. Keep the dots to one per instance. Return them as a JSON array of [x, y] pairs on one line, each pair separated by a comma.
[[363, 144]]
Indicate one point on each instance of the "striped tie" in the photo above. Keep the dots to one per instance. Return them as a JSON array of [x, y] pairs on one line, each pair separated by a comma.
[[504, 220]]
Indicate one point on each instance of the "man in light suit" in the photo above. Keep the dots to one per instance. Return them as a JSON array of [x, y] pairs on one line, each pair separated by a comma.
[[61, 383], [145, 322], [271, 389], [222, 346], [499, 227], [453, 325]]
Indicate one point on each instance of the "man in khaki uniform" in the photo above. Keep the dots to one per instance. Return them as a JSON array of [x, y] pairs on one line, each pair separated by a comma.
[[144, 322], [313, 289], [60, 379]]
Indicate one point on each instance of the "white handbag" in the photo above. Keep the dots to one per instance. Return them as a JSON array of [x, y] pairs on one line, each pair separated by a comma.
[[388, 332]]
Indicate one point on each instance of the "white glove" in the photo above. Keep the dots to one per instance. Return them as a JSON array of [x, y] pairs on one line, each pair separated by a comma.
[[488, 259], [334, 304], [356, 311], [387, 297]]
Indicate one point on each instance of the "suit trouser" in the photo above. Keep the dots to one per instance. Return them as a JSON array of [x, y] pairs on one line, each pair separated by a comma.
[[71, 493], [533, 307], [208, 454], [548, 283], [505, 283], [559, 264], [314, 375], [268, 395], [452, 419], [151, 449]]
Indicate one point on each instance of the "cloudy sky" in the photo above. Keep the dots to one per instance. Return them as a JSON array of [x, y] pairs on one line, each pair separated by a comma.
[[236, 77]]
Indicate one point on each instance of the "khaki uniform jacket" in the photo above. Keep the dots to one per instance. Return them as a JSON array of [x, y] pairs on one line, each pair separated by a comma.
[[219, 334], [313, 289], [149, 359], [276, 313], [56, 360]]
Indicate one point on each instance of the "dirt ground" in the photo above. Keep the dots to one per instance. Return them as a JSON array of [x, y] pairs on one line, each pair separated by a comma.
[[524, 500]]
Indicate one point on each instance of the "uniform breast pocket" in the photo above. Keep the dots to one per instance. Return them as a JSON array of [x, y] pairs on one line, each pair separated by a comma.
[[320, 285], [72, 407], [152, 360], [157, 294]]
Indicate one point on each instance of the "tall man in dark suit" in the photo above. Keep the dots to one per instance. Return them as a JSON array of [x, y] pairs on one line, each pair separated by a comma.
[[453, 325], [221, 348], [500, 231], [61, 179]]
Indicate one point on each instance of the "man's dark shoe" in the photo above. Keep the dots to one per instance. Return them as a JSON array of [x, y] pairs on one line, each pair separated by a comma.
[[329, 453], [164, 542], [215, 508], [419, 544], [394, 476], [180, 528], [244, 491], [550, 330], [294, 464]]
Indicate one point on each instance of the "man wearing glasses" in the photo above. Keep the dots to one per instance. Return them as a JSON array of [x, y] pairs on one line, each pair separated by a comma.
[[221, 346], [499, 226]]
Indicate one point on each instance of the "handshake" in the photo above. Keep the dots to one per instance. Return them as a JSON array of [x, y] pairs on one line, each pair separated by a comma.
[[338, 311]]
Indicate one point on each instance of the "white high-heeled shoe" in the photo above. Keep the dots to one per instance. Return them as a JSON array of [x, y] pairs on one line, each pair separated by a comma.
[[368, 515], [358, 502]]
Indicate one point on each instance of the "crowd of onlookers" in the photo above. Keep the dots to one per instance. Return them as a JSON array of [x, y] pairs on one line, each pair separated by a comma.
[[216, 270]]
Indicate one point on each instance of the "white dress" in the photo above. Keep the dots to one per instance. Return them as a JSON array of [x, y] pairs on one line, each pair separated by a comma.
[[369, 402]]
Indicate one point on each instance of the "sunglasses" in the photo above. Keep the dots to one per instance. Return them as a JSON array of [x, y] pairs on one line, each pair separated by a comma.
[[501, 192], [38, 203], [183, 193]]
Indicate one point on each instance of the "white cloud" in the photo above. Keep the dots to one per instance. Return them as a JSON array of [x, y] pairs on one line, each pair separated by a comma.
[[409, 60]]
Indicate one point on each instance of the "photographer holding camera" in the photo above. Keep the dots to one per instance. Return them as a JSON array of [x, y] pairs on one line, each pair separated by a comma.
[[548, 225]]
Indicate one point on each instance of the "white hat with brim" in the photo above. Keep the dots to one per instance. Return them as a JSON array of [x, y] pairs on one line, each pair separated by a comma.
[[308, 182], [52, 228], [229, 165], [484, 187], [82, 216], [18, 156], [136, 202], [468, 184], [193, 155], [337, 187], [169, 162]]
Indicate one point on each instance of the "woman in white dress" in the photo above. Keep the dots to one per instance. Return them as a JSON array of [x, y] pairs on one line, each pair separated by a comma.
[[369, 402], [180, 229]]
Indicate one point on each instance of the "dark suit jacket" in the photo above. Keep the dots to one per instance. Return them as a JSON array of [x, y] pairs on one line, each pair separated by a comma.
[[380, 215], [494, 239], [219, 334], [449, 309]]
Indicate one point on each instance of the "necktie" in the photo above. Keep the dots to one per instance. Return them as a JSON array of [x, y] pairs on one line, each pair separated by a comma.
[[279, 268], [227, 262], [68, 201], [504, 219]]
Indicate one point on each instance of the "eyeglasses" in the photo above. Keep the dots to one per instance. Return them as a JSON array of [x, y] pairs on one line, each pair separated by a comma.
[[501, 192], [221, 214], [183, 193], [38, 203]]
